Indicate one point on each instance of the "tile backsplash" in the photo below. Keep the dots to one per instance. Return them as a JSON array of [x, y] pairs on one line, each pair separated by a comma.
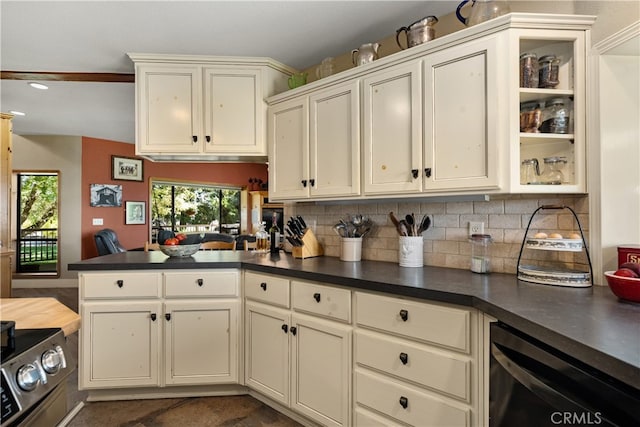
[[446, 243]]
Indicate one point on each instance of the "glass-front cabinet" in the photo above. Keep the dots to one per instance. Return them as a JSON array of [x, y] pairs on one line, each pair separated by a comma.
[[548, 105]]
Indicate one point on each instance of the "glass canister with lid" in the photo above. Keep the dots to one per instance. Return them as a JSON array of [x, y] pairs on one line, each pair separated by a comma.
[[549, 68], [529, 69], [555, 117], [480, 253], [552, 174]]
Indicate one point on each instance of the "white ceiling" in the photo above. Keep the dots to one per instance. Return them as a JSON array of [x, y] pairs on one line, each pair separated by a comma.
[[94, 36]]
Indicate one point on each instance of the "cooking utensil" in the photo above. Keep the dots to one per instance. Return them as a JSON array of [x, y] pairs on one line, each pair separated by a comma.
[[424, 224], [301, 221]]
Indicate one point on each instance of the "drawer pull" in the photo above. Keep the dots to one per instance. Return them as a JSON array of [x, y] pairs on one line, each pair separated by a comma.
[[200, 282], [153, 317], [285, 328], [404, 402], [316, 297], [263, 285], [404, 358], [404, 315], [414, 173], [120, 283], [293, 330], [167, 316]]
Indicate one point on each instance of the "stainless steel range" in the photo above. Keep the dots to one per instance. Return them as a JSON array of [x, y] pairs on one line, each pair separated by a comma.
[[35, 365]]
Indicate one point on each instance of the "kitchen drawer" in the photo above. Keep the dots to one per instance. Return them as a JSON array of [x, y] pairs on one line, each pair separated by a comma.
[[122, 284], [446, 326], [220, 283], [362, 417], [428, 367], [422, 409], [326, 301], [268, 289]]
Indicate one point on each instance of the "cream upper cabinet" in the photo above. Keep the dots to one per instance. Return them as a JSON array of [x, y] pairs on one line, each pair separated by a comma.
[[203, 108], [392, 130], [443, 118], [314, 145], [334, 139], [288, 129], [463, 123]]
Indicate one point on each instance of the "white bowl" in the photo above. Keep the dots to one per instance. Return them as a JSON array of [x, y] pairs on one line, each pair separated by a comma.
[[179, 250]]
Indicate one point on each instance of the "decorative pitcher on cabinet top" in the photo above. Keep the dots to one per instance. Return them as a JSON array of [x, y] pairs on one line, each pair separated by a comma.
[[366, 53], [419, 32], [482, 10]]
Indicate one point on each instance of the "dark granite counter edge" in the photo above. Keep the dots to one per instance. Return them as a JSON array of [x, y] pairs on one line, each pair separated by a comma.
[[596, 358]]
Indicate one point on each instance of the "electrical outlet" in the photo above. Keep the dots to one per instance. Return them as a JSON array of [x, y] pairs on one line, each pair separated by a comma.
[[97, 221], [476, 227]]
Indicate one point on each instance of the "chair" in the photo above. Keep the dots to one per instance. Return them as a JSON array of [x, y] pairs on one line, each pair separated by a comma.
[[217, 245], [151, 246], [246, 241], [107, 242], [218, 237]]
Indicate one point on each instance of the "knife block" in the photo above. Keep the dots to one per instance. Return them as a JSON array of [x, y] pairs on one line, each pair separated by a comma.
[[311, 247]]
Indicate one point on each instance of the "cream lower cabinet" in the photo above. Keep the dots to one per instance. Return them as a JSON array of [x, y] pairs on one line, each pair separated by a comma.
[[298, 357], [314, 145], [416, 363], [151, 329]]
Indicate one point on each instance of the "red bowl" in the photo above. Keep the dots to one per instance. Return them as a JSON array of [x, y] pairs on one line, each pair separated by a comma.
[[626, 288]]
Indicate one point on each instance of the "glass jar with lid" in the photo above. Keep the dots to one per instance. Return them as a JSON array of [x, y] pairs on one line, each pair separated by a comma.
[[555, 117], [480, 253], [529, 70], [549, 67], [529, 172], [552, 174]]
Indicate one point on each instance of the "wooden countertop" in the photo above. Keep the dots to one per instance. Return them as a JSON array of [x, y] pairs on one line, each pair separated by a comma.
[[31, 313]]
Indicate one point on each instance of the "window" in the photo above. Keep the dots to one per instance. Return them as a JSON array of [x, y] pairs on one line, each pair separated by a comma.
[[190, 207], [37, 224]]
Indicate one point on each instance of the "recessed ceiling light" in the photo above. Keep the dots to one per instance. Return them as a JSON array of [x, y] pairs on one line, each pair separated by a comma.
[[17, 113], [36, 85]]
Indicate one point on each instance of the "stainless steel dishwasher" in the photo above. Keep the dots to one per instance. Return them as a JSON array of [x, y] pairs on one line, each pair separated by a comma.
[[533, 384]]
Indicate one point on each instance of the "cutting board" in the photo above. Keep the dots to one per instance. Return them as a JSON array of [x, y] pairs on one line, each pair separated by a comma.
[[33, 313]]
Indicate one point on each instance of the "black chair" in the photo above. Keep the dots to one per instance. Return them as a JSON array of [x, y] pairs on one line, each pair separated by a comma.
[[107, 242], [218, 237]]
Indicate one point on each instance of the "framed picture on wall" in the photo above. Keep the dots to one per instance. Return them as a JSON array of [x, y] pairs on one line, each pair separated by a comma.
[[134, 213], [105, 195], [126, 168]]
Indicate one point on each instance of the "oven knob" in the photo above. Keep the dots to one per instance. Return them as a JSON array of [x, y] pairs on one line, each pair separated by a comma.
[[28, 377], [51, 361]]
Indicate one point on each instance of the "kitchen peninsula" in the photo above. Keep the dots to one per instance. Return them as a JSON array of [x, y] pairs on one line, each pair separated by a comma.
[[591, 325]]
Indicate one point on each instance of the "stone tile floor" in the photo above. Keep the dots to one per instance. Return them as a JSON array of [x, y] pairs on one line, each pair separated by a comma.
[[224, 411]]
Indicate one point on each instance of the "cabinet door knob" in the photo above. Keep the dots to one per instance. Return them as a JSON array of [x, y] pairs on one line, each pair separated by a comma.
[[404, 315], [153, 317], [200, 282], [208, 138], [293, 330], [316, 297], [167, 316], [404, 358], [304, 183], [263, 285], [285, 328], [120, 283], [312, 182], [414, 173], [404, 402], [427, 172], [195, 138]]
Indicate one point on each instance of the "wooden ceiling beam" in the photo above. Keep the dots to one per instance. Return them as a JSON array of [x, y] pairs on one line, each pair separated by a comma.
[[67, 77]]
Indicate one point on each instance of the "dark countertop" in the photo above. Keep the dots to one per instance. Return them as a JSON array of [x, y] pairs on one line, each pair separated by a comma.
[[590, 324]]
